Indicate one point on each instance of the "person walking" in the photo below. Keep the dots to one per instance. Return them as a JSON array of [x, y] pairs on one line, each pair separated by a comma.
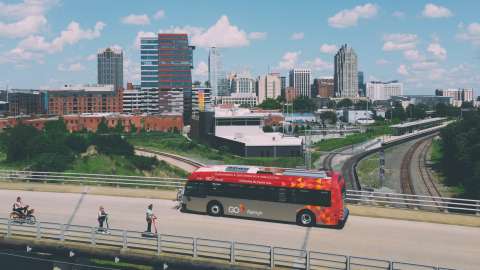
[[150, 217]]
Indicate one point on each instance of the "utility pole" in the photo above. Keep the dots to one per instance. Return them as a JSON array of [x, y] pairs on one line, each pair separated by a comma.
[[308, 158], [381, 154]]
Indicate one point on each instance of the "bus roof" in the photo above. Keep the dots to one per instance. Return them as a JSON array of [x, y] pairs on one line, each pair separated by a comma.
[[270, 176]]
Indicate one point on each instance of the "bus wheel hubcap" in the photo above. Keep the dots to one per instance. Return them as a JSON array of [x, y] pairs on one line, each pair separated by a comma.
[[306, 219], [215, 209]]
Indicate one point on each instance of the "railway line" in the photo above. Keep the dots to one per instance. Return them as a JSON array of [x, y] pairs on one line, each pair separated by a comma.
[[424, 172]]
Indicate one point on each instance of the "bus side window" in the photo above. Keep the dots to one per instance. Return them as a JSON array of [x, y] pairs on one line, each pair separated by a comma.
[[282, 195], [311, 197], [195, 189]]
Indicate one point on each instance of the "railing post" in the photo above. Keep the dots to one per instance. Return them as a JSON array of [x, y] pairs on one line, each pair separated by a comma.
[[39, 235], [159, 244], [62, 232], [194, 247], [347, 263], [125, 239], [478, 209], [232, 252], [9, 228], [92, 236], [272, 257], [390, 265], [307, 260]]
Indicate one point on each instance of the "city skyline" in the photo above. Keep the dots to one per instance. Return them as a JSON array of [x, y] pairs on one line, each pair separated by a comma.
[[425, 45]]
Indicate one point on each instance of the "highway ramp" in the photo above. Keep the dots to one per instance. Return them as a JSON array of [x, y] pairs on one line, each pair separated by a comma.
[[416, 242]]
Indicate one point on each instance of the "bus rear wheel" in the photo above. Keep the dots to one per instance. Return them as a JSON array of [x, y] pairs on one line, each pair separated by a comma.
[[215, 209], [306, 218]]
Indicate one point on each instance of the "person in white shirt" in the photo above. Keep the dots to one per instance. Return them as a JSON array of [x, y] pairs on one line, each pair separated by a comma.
[[19, 207], [150, 217]]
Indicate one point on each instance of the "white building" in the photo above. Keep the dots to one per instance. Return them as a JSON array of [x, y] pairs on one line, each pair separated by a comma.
[[357, 116], [216, 76], [201, 100], [242, 84], [170, 101], [458, 95], [346, 73], [299, 78], [246, 99], [269, 86], [383, 90], [133, 100]]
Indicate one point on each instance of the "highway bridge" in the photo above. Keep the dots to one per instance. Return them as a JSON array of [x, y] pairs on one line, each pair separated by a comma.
[[424, 243]]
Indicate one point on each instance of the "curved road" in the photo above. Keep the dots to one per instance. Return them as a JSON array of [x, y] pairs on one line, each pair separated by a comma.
[[423, 243]]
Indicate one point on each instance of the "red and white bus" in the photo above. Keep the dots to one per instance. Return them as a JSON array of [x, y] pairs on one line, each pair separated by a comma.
[[306, 197]]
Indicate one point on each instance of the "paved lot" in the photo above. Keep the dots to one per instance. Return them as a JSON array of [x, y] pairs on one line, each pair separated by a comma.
[[425, 243]]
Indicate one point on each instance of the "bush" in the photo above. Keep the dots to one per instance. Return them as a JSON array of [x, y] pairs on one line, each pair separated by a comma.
[[113, 145], [77, 143], [52, 162], [143, 163]]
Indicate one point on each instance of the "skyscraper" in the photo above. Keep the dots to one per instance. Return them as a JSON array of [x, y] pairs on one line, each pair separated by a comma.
[[242, 83], [269, 86], [110, 67], [299, 79], [346, 73], [166, 65], [216, 76], [361, 84]]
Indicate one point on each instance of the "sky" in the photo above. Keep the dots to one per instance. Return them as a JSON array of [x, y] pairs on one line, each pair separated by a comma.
[[424, 44]]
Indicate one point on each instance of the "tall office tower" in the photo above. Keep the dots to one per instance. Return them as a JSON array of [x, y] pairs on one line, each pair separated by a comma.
[[361, 84], [346, 73], [216, 75], [175, 66], [283, 85], [110, 67], [269, 86], [322, 87], [166, 64], [149, 74], [299, 78]]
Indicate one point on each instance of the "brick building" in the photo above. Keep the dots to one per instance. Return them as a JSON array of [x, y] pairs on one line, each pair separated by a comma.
[[24, 102], [84, 99]]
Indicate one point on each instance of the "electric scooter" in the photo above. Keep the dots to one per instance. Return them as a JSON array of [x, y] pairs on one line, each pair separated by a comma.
[[150, 234], [104, 230]]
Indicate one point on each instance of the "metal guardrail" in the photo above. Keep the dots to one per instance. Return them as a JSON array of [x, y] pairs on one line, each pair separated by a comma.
[[422, 202], [227, 251], [394, 200]]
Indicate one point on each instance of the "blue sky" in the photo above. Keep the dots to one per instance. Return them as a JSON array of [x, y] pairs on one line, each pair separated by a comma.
[[425, 44]]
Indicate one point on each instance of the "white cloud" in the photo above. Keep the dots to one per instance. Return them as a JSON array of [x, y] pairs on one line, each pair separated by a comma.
[[328, 48], [350, 17], [297, 36], [470, 33], [382, 62], [24, 27], [257, 35], [413, 55], [26, 8], [433, 11], [18, 55], [437, 50], [402, 70], [160, 14], [398, 14], [75, 67], [73, 34], [142, 34], [91, 57], [131, 70], [399, 42], [424, 65], [319, 64], [134, 19], [201, 70], [289, 60]]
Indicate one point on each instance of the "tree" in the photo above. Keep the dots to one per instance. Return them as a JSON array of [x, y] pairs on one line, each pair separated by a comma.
[[119, 128], [329, 116], [345, 103], [270, 104], [18, 142], [281, 99], [304, 104], [397, 112], [362, 105], [133, 128], [103, 127], [331, 104]]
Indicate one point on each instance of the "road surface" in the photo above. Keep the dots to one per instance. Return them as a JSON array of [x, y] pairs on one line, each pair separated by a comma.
[[424, 243], [172, 161]]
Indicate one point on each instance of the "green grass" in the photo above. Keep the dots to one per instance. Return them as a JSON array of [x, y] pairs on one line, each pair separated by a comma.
[[4, 165], [371, 133], [368, 171], [120, 165], [120, 265], [177, 144]]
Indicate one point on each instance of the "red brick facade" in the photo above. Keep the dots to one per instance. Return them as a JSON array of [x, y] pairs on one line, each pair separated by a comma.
[[161, 123], [64, 103]]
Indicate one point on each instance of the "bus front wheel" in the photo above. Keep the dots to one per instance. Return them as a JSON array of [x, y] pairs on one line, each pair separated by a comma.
[[215, 209], [306, 218]]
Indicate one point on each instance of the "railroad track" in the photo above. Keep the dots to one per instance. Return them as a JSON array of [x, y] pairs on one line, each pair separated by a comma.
[[425, 173], [327, 161], [191, 164], [406, 182]]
